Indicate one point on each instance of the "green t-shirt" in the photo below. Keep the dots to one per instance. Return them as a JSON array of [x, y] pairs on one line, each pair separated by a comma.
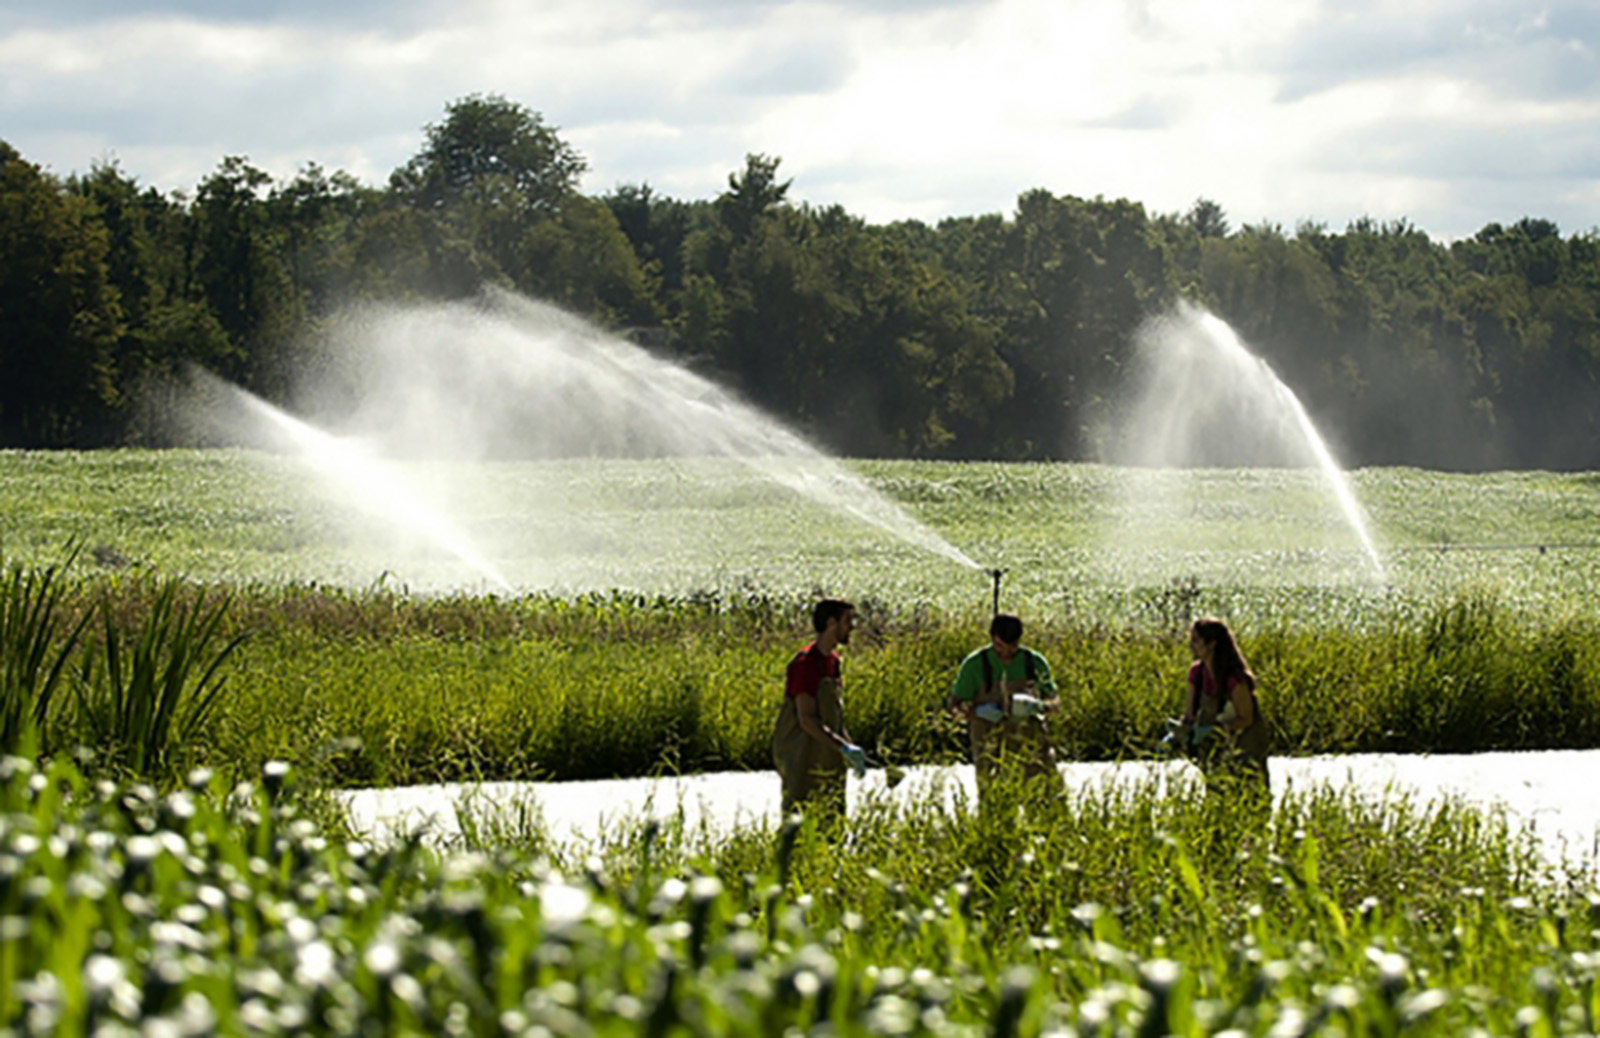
[[969, 679]]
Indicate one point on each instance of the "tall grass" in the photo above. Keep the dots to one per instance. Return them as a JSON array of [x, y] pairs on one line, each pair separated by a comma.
[[147, 694], [37, 639], [383, 688], [622, 687], [207, 910]]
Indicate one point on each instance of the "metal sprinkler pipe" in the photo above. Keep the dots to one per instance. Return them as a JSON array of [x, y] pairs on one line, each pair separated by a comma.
[[996, 574]]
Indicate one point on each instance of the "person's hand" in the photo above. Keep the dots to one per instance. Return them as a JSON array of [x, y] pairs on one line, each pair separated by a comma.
[[1024, 706], [989, 712], [1200, 733], [856, 757]]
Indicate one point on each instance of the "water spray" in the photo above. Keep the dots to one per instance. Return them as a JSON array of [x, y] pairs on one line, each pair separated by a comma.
[[1196, 358], [996, 574], [376, 488]]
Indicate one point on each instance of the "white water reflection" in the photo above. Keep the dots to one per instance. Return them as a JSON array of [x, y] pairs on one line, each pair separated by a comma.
[[1550, 791]]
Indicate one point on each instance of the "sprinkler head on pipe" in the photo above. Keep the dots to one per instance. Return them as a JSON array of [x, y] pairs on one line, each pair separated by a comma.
[[996, 574]]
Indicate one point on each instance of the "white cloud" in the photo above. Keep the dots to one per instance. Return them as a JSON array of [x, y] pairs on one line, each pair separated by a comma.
[[1278, 110]]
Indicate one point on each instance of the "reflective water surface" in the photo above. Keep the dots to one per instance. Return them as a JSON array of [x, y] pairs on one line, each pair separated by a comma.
[[1553, 791]]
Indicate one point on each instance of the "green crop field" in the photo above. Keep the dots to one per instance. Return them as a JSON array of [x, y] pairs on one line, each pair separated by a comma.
[[1074, 539], [223, 610]]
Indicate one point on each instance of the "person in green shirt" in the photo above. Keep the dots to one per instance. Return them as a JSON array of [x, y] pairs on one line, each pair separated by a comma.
[[1003, 692]]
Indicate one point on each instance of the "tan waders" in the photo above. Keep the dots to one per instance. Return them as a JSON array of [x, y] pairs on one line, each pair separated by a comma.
[[812, 771], [1012, 744], [1240, 754]]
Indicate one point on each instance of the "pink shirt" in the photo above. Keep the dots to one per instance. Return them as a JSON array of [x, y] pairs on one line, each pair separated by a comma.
[[1200, 684]]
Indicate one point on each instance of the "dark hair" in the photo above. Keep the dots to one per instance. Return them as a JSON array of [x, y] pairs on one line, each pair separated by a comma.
[[828, 609], [1006, 627], [1227, 662]]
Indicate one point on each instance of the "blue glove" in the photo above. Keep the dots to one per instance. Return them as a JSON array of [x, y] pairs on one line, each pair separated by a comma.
[[1200, 734], [856, 757], [989, 712]]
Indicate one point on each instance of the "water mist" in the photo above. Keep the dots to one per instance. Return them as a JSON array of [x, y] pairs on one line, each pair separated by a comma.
[[565, 452], [347, 472], [1206, 401]]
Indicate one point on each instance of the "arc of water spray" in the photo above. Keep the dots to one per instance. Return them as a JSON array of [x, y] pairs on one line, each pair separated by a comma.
[[1325, 460], [1341, 486], [532, 358], [377, 488], [1187, 344]]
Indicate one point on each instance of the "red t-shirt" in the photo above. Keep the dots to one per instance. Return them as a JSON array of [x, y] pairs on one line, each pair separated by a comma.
[[807, 670]]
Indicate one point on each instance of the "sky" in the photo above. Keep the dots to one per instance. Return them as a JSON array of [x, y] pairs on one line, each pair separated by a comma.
[[1450, 115]]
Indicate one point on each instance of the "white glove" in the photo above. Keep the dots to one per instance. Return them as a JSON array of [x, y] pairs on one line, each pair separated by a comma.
[[989, 712], [856, 757], [1024, 706]]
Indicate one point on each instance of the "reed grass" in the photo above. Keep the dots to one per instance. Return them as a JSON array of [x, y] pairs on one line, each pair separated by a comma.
[[145, 695], [37, 639], [627, 689]]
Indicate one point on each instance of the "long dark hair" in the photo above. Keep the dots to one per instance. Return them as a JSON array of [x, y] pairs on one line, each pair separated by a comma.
[[1227, 662]]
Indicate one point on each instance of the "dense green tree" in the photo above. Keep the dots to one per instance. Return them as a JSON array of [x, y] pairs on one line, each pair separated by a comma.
[[581, 259], [500, 188], [318, 215], [59, 314], [752, 194], [237, 266], [657, 228], [1068, 282], [492, 152], [979, 336], [1207, 219], [407, 254]]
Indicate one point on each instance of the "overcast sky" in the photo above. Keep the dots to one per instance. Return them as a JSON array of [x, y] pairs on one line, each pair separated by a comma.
[[1449, 114]]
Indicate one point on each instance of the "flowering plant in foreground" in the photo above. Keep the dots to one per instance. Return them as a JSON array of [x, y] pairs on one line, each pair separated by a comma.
[[201, 910]]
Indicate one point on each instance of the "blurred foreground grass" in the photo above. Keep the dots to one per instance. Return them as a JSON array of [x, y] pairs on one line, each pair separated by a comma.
[[217, 910]]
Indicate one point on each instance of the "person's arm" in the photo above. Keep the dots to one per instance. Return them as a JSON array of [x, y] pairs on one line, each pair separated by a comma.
[[805, 708], [965, 690], [1044, 681], [1244, 707], [1190, 699]]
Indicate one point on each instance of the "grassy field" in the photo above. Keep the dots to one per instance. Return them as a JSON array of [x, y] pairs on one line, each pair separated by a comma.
[[1473, 640], [1075, 539]]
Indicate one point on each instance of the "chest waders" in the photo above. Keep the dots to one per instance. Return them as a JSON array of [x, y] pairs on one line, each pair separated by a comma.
[[811, 770], [1022, 744], [1244, 751]]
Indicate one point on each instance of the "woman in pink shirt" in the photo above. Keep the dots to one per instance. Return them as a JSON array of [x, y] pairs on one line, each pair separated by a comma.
[[1222, 712]]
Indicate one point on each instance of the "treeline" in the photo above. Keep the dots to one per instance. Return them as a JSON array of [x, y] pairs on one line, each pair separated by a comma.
[[983, 336]]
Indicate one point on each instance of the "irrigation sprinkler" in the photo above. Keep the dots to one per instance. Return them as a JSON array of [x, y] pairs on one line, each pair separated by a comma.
[[996, 574]]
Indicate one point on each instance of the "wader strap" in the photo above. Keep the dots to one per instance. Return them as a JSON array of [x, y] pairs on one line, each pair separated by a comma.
[[988, 674]]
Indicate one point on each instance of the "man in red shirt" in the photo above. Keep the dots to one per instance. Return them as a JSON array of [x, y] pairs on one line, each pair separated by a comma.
[[810, 744]]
